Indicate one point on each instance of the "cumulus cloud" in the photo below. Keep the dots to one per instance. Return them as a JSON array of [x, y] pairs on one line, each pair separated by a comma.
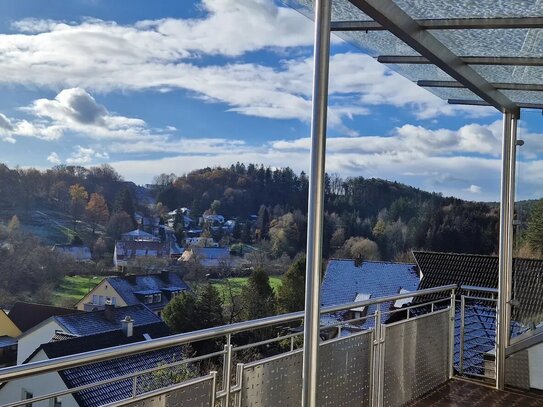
[[53, 158], [168, 54], [474, 189], [85, 156], [74, 110]]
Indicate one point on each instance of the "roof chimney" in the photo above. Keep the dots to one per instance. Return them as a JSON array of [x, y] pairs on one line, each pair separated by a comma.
[[109, 311], [128, 326]]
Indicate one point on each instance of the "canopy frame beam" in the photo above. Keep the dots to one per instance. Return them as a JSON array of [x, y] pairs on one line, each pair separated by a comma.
[[447, 24], [399, 23]]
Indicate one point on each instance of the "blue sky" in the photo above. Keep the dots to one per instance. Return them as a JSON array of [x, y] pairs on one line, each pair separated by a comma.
[[169, 86]]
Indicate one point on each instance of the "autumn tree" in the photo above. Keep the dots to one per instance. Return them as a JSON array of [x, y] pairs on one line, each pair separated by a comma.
[[96, 211], [359, 248], [78, 201]]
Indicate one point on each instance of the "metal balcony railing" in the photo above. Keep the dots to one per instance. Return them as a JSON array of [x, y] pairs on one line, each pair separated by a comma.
[[388, 365]]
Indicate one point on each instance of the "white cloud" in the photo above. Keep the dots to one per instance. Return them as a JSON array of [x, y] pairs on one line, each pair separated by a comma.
[[85, 156], [76, 111], [53, 158], [167, 54], [442, 160]]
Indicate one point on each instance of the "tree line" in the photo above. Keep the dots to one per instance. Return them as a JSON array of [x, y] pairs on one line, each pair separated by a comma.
[[369, 218]]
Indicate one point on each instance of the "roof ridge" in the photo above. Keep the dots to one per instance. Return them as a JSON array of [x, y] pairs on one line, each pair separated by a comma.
[[373, 261], [493, 256]]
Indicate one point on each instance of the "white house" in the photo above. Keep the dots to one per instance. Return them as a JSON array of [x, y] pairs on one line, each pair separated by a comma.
[[64, 345]]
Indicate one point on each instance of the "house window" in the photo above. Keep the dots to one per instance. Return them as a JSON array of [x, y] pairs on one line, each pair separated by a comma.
[[148, 299], [158, 297], [101, 300], [95, 299], [27, 395], [113, 300], [56, 402]]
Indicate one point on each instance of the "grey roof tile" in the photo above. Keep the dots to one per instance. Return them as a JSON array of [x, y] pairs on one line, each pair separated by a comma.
[[343, 280]]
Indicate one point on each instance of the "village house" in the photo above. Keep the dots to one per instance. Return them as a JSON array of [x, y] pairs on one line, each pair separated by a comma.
[[81, 324], [63, 345], [8, 340], [26, 315], [153, 290], [126, 253], [139, 235], [211, 257]]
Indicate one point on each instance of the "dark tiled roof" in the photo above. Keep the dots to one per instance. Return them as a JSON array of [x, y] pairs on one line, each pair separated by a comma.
[[89, 323], [112, 368], [128, 286], [131, 249], [27, 315], [344, 280], [482, 271]]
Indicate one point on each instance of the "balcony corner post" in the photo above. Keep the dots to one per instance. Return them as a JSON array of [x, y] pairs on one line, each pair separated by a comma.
[[507, 206], [315, 215]]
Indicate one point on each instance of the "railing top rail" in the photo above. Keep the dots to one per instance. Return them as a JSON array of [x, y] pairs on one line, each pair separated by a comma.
[[72, 361], [480, 289]]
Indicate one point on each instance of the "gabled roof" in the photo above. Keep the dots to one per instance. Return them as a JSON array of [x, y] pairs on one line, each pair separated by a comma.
[[344, 280], [88, 323], [27, 315], [139, 235], [209, 256], [133, 248], [111, 368], [482, 271], [128, 286]]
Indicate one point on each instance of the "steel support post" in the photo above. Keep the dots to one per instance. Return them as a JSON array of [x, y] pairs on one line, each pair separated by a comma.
[[452, 316], [507, 205], [315, 211]]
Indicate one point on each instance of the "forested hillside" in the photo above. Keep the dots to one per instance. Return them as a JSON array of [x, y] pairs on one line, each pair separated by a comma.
[[368, 218]]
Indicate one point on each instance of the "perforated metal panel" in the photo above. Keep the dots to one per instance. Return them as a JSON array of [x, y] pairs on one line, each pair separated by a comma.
[[416, 355], [197, 394], [345, 366], [272, 382], [517, 370], [344, 376]]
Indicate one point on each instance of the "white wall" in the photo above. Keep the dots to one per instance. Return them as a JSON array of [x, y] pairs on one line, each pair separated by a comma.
[[38, 385], [535, 355], [31, 340]]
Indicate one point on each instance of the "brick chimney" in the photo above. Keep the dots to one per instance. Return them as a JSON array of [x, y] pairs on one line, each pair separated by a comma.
[[128, 326]]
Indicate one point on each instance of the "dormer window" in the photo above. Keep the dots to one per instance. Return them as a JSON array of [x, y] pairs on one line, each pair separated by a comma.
[[359, 312], [149, 299], [157, 298]]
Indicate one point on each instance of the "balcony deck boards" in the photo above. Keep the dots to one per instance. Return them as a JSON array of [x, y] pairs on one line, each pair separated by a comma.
[[460, 393]]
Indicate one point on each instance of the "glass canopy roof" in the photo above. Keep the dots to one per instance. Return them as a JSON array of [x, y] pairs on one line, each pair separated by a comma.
[[466, 51]]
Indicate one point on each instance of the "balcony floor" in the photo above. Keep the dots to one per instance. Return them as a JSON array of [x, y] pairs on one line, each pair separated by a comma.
[[460, 393]]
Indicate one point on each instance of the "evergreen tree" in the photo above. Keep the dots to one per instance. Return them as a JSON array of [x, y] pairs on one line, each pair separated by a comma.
[[263, 222], [125, 202], [179, 226], [534, 233], [257, 296], [209, 310], [291, 292], [180, 313]]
